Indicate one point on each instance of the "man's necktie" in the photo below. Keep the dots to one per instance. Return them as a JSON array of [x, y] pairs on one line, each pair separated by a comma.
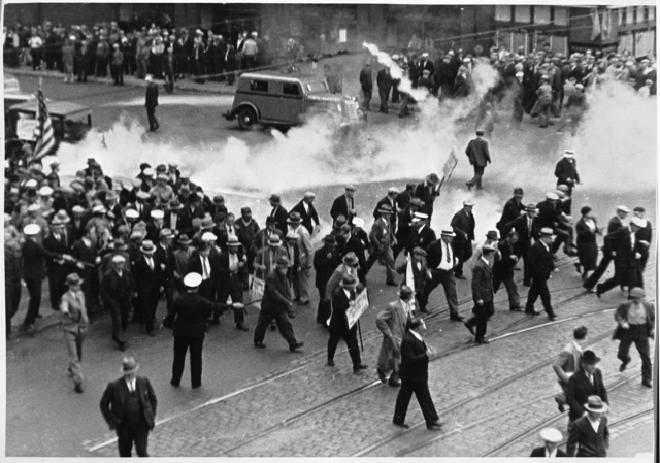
[[448, 259]]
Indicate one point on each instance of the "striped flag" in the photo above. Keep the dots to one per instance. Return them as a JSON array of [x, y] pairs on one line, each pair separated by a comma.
[[43, 130]]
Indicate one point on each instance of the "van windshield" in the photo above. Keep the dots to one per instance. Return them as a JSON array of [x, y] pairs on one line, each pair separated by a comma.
[[316, 86]]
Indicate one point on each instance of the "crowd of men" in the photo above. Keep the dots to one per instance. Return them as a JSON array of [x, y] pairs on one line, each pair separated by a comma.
[[105, 49]]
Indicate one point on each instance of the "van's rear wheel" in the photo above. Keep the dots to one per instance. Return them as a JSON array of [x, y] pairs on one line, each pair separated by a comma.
[[247, 118]]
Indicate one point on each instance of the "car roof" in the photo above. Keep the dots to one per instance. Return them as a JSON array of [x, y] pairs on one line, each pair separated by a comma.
[[55, 108], [275, 76]]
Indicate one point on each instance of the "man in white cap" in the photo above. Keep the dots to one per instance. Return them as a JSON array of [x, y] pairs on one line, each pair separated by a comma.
[[117, 294], [308, 213], [551, 438], [33, 273], [541, 267], [636, 324], [566, 171], [151, 101], [441, 262], [479, 156], [189, 315], [344, 205], [589, 435], [463, 225], [616, 223], [148, 271], [129, 407], [155, 224], [421, 234], [390, 200]]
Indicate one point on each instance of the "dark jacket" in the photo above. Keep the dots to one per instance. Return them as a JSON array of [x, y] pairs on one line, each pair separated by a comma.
[[190, 313], [339, 207], [147, 279], [280, 214], [422, 238], [434, 254], [393, 216], [549, 214], [477, 152], [541, 262], [114, 400], [527, 235], [579, 389], [482, 281], [463, 225], [428, 195], [384, 80], [276, 292], [366, 80], [588, 443], [151, 96], [33, 260], [340, 303], [324, 266], [116, 291], [566, 172], [511, 211], [307, 217], [414, 360], [540, 452], [504, 266], [54, 249]]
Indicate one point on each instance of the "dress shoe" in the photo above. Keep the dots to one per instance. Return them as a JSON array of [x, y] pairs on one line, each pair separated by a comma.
[[532, 313], [552, 318], [434, 426], [461, 277], [331, 363], [456, 318], [598, 291], [242, 328], [174, 383], [78, 388], [469, 327], [381, 376], [295, 346], [517, 308], [482, 341], [123, 346], [647, 383], [359, 368], [394, 383], [259, 345], [401, 425], [560, 405], [589, 289], [196, 386], [623, 365], [469, 186]]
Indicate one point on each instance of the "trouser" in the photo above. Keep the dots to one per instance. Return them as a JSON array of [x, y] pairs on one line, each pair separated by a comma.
[[126, 436], [564, 235], [230, 77], [643, 260], [595, 276], [538, 288], [475, 181], [82, 71], [637, 334], [482, 312], [56, 286], [119, 318], [527, 266], [389, 359], [421, 390], [384, 95], [145, 309], [323, 311], [117, 74], [395, 90], [544, 113], [386, 258], [366, 93], [233, 287], [350, 338], [511, 289], [281, 320], [302, 278], [403, 109], [12, 300], [181, 346], [448, 282], [463, 253], [518, 111], [34, 290], [74, 337], [151, 116], [101, 66], [36, 57], [628, 276]]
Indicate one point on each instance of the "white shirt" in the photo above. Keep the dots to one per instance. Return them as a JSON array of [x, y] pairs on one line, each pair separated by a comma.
[[347, 293], [205, 267], [417, 335], [552, 454], [485, 260], [130, 384], [305, 206], [594, 424]]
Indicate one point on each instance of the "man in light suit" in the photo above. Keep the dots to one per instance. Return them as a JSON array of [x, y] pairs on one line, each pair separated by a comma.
[[382, 239], [392, 323], [305, 255], [482, 295], [479, 157], [129, 406]]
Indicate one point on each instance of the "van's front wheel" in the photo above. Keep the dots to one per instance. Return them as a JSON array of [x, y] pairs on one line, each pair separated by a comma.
[[247, 118]]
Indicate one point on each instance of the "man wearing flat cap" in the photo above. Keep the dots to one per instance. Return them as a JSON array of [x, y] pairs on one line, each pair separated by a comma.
[[326, 259], [551, 437], [541, 267], [129, 407], [636, 324], [278, 213], [479, 157], [344, 205], [463, 225], [391, 321], [427, 191], [308, 213]]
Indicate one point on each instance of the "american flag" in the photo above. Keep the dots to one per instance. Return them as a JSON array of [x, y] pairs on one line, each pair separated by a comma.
[[43, 131]]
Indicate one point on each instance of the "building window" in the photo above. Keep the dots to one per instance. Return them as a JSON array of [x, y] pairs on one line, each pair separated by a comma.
[[629, 15], [503, 13], [523, 14], [641, 16], [561, 16], [621, 13], [651, 13], [541, 15]]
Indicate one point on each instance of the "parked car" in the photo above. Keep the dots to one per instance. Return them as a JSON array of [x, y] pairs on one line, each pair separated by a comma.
[[284, 100]]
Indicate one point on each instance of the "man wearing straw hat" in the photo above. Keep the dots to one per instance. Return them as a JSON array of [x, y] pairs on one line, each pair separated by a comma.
[[586, 382], [129, 407], [33, 273], [382, 239], [589, 436], [74, 325], [148, 272], [551, 438]]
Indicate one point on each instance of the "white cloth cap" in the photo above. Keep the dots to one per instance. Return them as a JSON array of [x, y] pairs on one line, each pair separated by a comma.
[[31, 229], [551, 435], [208, 236], [157, 214], [132, 214], [358, 222], [192, 280], [622, 208], [45, 191]]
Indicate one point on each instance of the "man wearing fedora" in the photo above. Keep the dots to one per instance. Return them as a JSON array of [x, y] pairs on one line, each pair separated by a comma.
[[150, 102], [608, 253], [589, 435], [463, 225], [74, 324], [392, 323], [117, 295], [441, 262], [636, 324], [415, 377], [129, 407], [541, 267], [276, 304], [33, 256], [278, 213], [57, 246], [389, 200], [585, 382], [326, 259], [627, 255], [233, 265], [427, 191], [189, 316], [263, 236], [305, 256], [382, 239], [149, 273], [344, 205], [551, 438], [349, 243], [339, 329], [479, 156], [267, 255], [528, 232], [308, 213], [503, 268], [512, 210], [482, 295]]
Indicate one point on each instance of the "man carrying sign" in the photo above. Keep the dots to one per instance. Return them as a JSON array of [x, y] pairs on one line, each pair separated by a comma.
[[342, 299], [392, 322]]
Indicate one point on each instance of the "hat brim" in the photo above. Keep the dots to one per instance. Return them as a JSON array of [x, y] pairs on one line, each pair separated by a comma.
[[601, 409]]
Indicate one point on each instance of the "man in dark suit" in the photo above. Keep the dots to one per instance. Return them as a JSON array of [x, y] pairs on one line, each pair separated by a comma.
[[503, 268], [551, 439], [512, 210], [129, 406], [427, 191], [339, 329], [58, 261], [233, 265], [33, 272], [566, 171], [441, 259], [279, 213], [482, 295], [589, 436], [528, 231], [150, 102], [644, 235], [192, 209], [584, 383], [276, 304], [479, 157], [205, 261], [326, 260], [308, 212], [404, 229], [414, 372], [463, 225], [117, 296], [627, 248], [348, 242], [541, 267], [344, 205], [366, 84], [384, 84], [190, 313], [615, 223], [390, 200], [149, 274]]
